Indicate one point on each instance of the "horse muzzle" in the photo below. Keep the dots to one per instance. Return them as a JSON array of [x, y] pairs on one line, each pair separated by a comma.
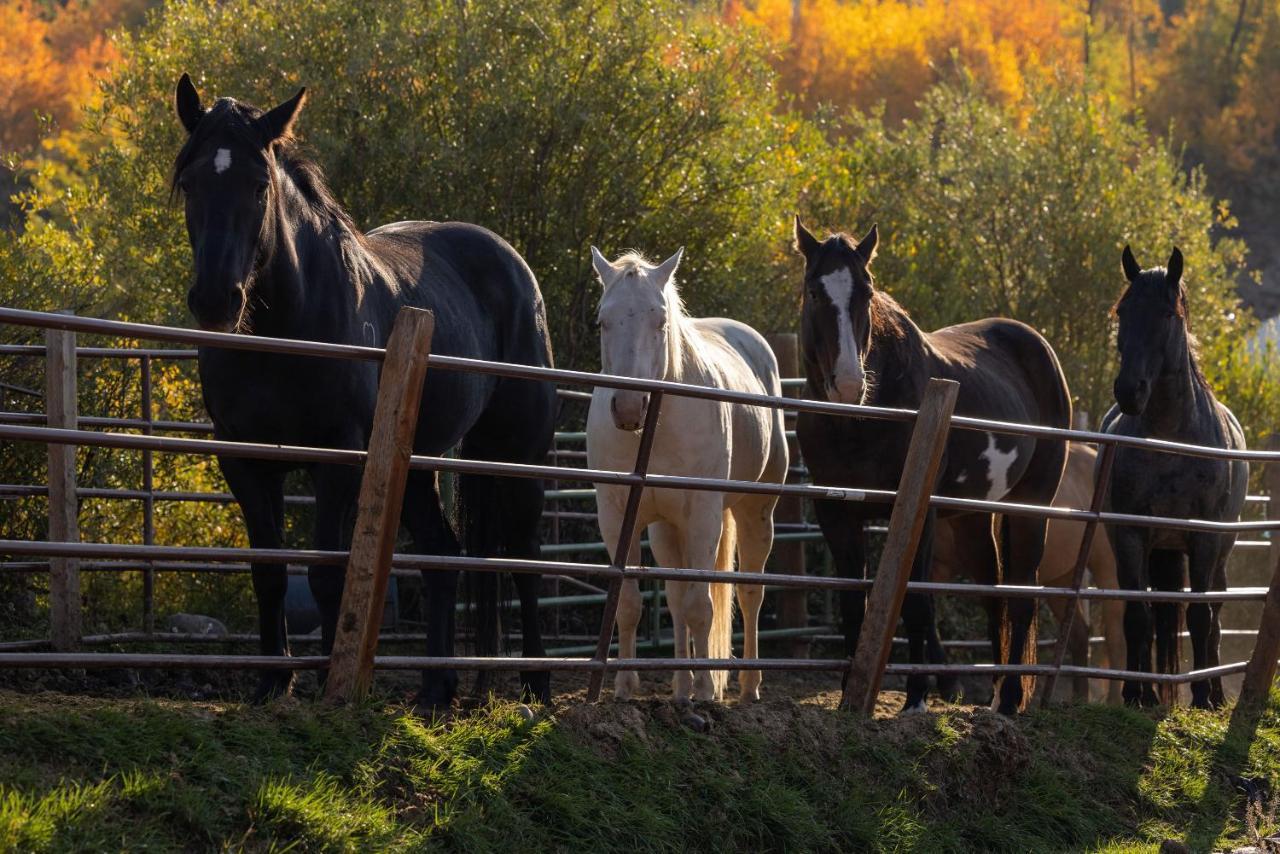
[[1132, 395], [628, 409], [216, 311], [846, 390]]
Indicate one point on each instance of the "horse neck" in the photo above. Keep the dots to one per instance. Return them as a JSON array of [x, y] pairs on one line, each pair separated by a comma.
[[896, 358], [1177, 395], [686, 361], [315, 273]]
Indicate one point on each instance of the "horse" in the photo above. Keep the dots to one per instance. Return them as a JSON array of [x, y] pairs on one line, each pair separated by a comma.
[[860, 346], [1057, 568], [275, 254], [645, 333], [1161, 393]]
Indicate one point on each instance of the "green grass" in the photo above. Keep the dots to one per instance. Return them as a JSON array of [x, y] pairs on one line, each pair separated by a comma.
[[88, 774]]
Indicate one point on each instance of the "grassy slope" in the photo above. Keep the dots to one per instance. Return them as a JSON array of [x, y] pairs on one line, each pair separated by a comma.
[[94, 774]]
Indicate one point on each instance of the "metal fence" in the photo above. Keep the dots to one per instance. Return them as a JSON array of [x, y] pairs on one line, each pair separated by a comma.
[[369, 562]]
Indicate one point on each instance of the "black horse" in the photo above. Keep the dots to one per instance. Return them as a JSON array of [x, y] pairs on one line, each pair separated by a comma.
[[1161, 394], [861, 347], [276, 255]]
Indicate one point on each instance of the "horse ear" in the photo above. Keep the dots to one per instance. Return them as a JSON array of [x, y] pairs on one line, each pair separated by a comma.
[[278, 123], [604, 269], [806, 243], [1130, 264], [867, 245], [664, 271], [187, 102], [1173, 273]]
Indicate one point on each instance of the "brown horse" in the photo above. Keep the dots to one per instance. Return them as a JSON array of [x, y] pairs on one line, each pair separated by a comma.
[[1062, 544]]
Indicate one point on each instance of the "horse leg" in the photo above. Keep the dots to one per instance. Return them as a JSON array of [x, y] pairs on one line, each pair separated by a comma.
[[259, 490], [1131, 547], [704, 527], [609, 514], [1024, 548], [1164, 568], [336, 488], [972, 550], [664, 540], [433, 535], [521, 500], [920, 620], [847, 540], [754, 519], [1203, 558]]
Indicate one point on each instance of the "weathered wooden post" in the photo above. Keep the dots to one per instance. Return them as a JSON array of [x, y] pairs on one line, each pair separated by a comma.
[[373, 541], [793, 605], [1261, 672], [61, 411], [884, 604]]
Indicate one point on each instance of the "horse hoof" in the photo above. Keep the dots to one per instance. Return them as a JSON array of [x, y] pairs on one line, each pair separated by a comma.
[[272, 686], [916, 708], [695, 721]]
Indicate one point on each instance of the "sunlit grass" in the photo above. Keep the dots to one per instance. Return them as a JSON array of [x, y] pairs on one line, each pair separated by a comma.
[[82, 775]]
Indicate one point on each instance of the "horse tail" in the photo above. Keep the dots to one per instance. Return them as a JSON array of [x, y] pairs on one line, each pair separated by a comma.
[[721, 641]]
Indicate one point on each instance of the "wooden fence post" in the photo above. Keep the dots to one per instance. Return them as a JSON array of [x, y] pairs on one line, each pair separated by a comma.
[[378, 513], [884, 604], [61, 411], [793, 604], [1261, 672]]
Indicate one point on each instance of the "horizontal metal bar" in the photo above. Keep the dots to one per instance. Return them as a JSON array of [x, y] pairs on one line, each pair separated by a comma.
[[102, 352], [55, 660], [221, 340], [436, 562], [653, 481], [559, 375]]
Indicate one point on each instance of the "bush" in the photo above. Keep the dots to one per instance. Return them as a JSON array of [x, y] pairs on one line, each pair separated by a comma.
[[982, 213]]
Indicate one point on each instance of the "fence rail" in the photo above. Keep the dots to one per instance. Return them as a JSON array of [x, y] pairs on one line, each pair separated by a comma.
[[61, 431]]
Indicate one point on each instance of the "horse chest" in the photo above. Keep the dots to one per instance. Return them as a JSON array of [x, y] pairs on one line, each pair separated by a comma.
[[288, 400]]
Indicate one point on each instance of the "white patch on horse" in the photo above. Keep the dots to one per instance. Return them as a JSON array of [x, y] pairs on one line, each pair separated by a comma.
[[962, 477], [999, 462], [222, 160], [839, 288], [918, 709]]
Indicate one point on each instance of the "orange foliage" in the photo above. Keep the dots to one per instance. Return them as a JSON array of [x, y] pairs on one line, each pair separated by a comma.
[[50, 57], [862, 52]]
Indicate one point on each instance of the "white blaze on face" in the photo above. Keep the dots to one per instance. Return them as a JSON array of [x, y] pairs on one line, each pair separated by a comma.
[[222, 160], [847, 379], [998, 464]]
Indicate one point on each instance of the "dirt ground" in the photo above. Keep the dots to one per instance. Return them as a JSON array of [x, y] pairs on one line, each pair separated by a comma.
[[815, 690]]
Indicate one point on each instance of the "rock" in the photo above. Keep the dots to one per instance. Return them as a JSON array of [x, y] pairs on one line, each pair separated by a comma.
[[195, 624], [525, 712]]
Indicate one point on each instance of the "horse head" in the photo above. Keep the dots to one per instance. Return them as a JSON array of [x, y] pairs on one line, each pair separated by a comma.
[[835, 324], [637, 309], [229, 181], [1152, 336]]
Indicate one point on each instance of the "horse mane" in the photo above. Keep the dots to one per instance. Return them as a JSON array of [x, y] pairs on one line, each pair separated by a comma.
[[1154, 279], [889, 320]]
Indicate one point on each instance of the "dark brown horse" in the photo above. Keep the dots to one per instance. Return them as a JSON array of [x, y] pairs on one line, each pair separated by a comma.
[[860, 346], [275, 254], [1161, 394]]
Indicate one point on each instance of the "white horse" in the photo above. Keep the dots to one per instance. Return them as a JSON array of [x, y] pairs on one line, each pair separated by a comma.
[[645, 333]]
